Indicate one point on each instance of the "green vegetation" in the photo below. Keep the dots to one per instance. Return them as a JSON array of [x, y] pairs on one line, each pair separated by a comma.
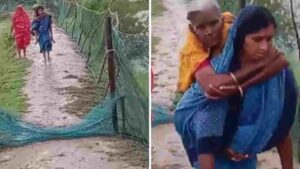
[[154, 41], [9, 5], [127, 12], [12, 73], [143, 81], [157, 8], [132, 19]]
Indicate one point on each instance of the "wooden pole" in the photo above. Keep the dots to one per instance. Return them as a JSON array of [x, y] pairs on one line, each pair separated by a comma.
[[123, 115], [111, 71], [102, 69]]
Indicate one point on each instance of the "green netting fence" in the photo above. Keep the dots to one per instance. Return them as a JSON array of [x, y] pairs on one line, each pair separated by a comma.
[[87, 27], [123, 108]]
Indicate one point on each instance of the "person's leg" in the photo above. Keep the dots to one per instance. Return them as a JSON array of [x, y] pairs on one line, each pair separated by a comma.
[[48, 54], [24, 52], [44, 54], [206, 161], [19, 53]]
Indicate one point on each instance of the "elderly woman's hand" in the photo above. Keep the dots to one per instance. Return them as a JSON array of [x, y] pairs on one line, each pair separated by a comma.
[[234, 156], [221, 92]]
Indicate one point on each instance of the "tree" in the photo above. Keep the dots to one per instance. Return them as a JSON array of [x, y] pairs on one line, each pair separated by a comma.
[[295, 26], [242, 4]]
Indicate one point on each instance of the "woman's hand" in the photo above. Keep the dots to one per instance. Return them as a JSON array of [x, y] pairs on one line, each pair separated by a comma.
[[271, 64], [234, 156], [222, 91]]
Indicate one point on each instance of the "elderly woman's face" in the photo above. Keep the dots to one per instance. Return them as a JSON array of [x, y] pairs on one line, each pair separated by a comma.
[[256, 45], [208, 27]]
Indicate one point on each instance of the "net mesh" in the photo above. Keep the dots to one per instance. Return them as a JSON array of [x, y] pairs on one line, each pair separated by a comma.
[[130, 99]]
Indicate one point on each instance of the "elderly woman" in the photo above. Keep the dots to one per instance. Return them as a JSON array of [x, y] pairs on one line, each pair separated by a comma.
[[256, 120], [20, 29]]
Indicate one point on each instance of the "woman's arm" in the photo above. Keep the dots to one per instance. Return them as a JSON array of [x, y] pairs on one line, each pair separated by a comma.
[[206, 77], [286, 153], [250, 74], [51, 32], [50, 29], [267, 72], [12, 31], [279, 64]]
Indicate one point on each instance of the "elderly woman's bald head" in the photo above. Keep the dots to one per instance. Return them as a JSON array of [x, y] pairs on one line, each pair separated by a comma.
[[206, 21], [199, 10], [200, 5]]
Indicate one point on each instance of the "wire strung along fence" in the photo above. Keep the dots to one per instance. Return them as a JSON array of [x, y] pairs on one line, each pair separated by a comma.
[[118, 62]]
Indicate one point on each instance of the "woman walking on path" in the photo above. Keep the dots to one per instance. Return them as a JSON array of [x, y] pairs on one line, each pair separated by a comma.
[[42, 28], [20, 29]]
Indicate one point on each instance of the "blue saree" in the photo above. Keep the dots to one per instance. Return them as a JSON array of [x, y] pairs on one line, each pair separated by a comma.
[[42, 26], [202, 123]]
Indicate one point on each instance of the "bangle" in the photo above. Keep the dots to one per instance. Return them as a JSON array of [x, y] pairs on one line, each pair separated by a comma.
[[234, 78], [241, 91]]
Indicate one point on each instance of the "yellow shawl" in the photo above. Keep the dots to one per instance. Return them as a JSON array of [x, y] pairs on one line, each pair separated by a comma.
[[193, 53]]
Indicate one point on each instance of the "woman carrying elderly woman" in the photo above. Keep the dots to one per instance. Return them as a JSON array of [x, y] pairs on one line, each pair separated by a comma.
[[225, 120]]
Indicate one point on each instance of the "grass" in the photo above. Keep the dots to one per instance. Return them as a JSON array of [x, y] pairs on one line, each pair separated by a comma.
[[128, 23], [126, 11], [12, 76], [157, 8], [10, 5], [154, 41]]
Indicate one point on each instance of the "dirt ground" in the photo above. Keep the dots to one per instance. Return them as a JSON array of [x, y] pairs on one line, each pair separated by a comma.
[[59, 92]]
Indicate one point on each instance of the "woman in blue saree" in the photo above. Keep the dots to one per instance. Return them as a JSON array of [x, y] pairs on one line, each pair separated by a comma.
[[251, 124], [42, 28]]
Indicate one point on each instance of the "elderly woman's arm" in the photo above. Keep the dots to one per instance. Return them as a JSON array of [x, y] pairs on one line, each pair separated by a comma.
[[249, 75], [267, 72], [207, 78]]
